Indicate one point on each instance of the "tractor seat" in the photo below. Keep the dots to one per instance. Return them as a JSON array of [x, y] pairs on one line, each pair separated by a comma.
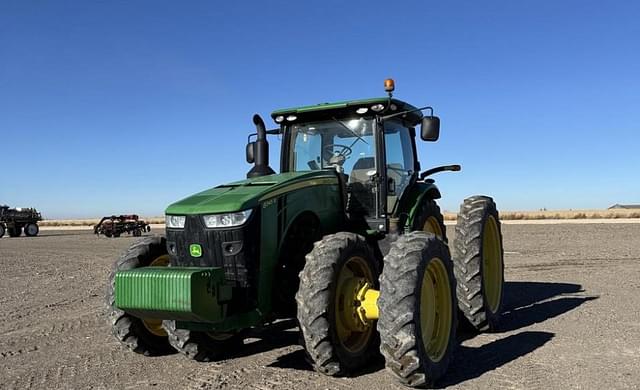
[[361, 168]]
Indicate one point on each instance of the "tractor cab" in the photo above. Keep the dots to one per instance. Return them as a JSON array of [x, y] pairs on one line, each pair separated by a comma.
[[370, 143]]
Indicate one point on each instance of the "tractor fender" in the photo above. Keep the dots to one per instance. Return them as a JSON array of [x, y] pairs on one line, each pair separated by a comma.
[[410, 203]]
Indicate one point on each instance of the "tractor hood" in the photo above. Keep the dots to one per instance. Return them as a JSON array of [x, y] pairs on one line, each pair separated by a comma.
[[246, 194]]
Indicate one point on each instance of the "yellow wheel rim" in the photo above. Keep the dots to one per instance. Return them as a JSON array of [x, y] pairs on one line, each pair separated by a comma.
[[151, 324], [435, 309], [492, 273], [432, 225], [353, 334]]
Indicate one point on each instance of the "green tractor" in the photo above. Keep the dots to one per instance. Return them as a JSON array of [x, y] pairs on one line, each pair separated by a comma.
[[347, 239]]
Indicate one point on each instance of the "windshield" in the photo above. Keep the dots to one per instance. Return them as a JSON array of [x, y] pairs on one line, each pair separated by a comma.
[[345, 145]]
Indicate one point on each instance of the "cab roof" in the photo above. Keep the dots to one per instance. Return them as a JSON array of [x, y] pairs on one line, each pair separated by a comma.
[[347, 108]]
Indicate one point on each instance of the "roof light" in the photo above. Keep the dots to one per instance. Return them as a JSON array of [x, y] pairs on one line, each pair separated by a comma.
[[292, 118], [377, 107], [353, 123], [362, 110], [279, 118]]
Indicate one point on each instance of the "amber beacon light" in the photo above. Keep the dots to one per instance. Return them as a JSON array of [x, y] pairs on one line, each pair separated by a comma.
[[389, 85]]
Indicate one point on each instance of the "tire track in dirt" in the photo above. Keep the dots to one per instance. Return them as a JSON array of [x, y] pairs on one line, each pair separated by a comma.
[[258, 377], [75, 370], [51, 334]]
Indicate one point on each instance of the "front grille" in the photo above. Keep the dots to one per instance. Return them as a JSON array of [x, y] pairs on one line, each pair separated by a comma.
[[235, 249]]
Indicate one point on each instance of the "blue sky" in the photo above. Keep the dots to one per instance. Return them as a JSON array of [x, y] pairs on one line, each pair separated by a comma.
[[126, 106]]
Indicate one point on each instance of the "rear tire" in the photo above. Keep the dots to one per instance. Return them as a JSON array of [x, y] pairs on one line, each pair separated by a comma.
[[202, 346], [479, 263], [332, 346], [418, 311], [31, 230], [141, 336], [2, 230]]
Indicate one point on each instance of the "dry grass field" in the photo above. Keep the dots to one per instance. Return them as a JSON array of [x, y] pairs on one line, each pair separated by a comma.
[[449, 216], [90, 222], [561, 214]]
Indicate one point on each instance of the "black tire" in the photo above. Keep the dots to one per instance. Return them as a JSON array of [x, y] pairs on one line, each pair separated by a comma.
[[137, 233], [427, 215], [2, 230], [412, 259], [316, 301], [108, 234], [31, 229], [129, 330], [15, 231], [116, 235], [474, 297], [202, 346]]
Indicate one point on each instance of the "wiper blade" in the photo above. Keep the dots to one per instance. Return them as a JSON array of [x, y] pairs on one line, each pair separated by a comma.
[[349, 130]]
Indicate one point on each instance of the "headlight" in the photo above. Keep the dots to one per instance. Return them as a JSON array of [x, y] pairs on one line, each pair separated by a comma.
[[175, 221], [226, 220]]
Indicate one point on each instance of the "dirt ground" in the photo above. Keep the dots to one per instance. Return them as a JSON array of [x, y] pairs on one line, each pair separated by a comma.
[[572, 320]]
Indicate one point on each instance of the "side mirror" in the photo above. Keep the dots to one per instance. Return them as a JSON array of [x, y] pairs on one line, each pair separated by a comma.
[[430, 128], [250, 152]]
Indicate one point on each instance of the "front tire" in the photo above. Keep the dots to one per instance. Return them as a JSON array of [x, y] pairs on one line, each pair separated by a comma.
[[418, 311], [337, 342], [429, 219], [202, 346], [31, 230], [2, 230], [144, 336], [479, 263]]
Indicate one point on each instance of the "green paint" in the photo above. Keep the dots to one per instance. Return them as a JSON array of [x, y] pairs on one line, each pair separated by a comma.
[[177, 293], [242, 195], [322, 199], [195, 250]]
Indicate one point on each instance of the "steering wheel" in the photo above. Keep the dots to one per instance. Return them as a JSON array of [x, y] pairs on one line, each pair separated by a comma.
[[343, 151]]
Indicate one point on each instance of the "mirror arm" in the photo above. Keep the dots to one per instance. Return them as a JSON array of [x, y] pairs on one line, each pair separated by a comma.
[[408, 112], [270, 132], [453, 168]]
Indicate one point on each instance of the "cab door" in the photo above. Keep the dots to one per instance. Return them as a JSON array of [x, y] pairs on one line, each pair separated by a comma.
[[400, 161]]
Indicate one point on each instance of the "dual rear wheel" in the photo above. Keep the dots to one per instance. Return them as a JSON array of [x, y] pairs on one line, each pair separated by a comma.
[[30, 230], [345, 320], [422, 290], [477, 257]]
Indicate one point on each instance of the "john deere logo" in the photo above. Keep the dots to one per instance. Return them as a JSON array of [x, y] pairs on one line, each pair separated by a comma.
[[195, 250]]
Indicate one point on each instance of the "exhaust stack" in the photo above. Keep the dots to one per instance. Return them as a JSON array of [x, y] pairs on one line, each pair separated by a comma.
[[260, 150]]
